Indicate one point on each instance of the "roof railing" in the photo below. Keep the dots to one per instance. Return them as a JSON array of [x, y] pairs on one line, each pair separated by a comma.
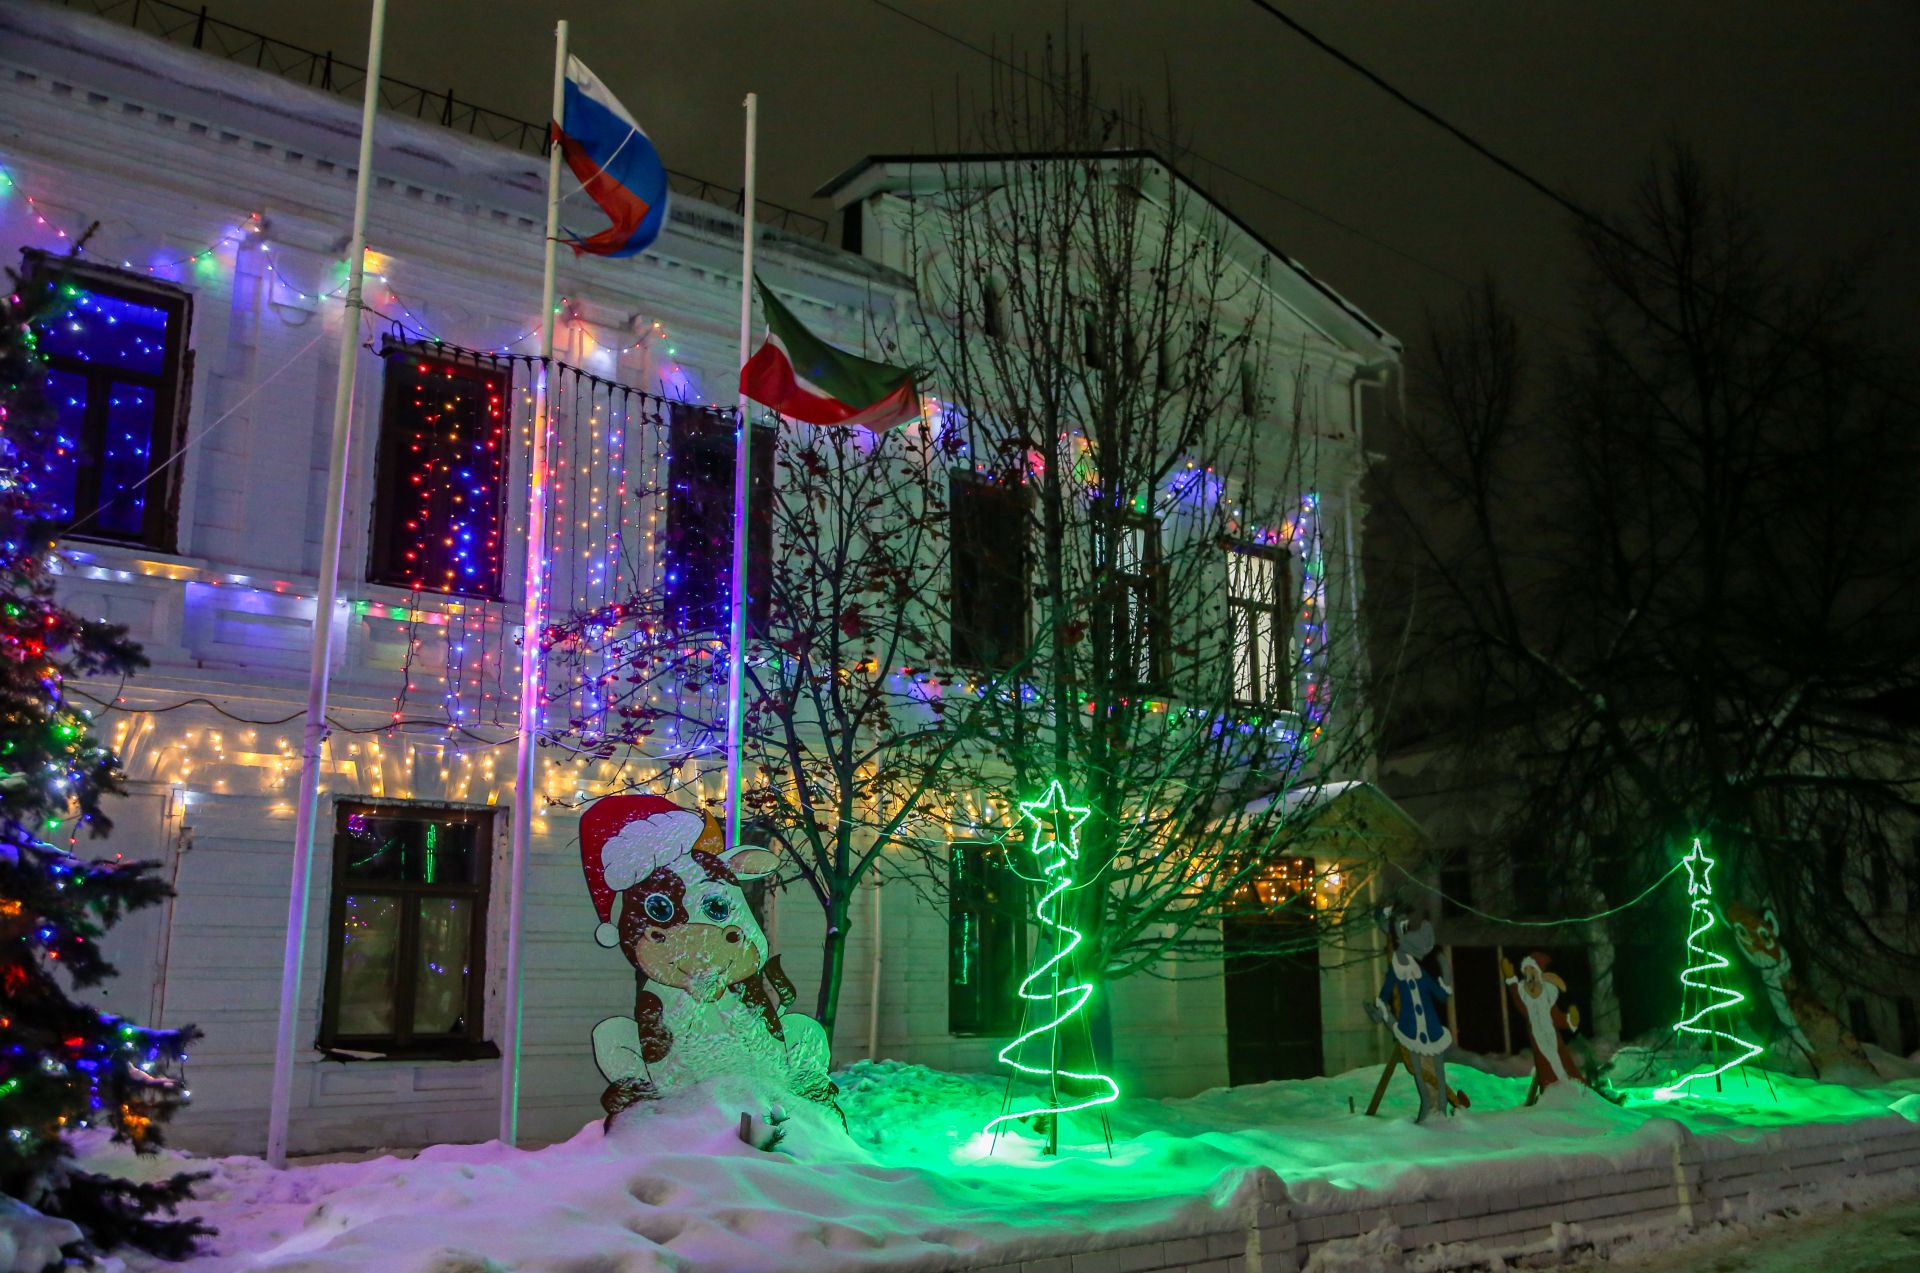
[[196, 27]]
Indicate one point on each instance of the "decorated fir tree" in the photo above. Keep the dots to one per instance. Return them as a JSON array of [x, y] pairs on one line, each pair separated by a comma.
[[1705, 998], [64, 1065]]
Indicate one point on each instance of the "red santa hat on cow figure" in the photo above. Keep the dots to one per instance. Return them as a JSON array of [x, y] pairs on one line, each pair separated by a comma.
[[624, 839]]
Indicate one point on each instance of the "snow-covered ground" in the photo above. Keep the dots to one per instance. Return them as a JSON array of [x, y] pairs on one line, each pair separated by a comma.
[[914, 1186], [1884, 1239]]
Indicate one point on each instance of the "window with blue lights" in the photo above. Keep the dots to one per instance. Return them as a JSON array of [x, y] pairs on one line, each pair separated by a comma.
[[698, 562], [406, 933], [439, 509], [116, 359]]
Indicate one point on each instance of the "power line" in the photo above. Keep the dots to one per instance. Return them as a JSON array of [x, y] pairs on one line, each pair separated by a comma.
[[1540, 187], [1435, 119], [1174, 147]]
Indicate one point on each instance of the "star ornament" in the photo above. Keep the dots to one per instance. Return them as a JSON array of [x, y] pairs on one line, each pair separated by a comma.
[[1698, 865], [1056, 821]]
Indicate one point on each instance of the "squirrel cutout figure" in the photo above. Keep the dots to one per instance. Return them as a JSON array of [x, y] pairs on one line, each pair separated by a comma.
[[707, 999], [1537, 993], [1807, 1023]]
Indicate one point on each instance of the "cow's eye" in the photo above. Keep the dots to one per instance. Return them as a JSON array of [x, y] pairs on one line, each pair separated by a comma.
[[659, 907], [716, 909]]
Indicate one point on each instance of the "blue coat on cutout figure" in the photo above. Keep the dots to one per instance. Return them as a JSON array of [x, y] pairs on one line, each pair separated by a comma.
[[1411, 1005], [1419, 1026]]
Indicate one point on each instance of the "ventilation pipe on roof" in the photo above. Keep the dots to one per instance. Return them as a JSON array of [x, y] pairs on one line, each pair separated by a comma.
[[1376, 375]]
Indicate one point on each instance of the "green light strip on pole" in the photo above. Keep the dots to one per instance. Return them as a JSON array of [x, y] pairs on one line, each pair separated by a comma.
[[1056, 846], [1698, 975]]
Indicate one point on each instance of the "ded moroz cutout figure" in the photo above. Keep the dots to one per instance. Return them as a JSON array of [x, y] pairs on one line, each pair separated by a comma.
[[707, 999]]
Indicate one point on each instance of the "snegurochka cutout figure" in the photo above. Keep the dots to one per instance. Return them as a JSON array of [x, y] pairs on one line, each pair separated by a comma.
[[1537, 993]]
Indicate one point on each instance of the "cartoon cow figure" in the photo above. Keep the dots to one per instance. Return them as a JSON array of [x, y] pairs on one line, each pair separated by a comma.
[[702, 1005], [1808, 1023]]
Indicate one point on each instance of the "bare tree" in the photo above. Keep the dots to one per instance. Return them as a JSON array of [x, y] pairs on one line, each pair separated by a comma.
[[1669, 584], [1106, 345]]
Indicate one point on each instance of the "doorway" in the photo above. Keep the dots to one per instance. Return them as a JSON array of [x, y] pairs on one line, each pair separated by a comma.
[[1273, 998]]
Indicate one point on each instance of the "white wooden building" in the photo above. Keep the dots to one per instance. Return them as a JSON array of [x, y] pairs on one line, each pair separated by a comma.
[[222, 194]]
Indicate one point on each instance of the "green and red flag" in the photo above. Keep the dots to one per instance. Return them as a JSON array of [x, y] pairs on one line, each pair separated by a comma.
[[803, 377]]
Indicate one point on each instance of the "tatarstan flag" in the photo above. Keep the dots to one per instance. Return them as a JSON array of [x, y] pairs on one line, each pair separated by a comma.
[[803, 377]]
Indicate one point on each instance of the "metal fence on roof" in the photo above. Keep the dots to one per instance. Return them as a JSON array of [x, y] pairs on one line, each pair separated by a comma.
[[197, 28]]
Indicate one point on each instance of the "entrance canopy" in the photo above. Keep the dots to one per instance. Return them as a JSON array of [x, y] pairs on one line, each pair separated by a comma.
[[1337, 821]]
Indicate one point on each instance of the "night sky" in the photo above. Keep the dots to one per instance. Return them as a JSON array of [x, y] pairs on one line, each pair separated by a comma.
[[1816, 106]]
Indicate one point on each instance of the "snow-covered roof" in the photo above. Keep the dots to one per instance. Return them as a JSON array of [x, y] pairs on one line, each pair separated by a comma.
[[1348, 811], [1314, 299]]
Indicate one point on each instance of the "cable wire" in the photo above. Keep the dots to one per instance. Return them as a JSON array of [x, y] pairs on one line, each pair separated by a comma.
[[1541, 923], [1580, 213]]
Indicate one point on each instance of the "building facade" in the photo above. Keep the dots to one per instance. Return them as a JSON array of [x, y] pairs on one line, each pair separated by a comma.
[[196, 366]]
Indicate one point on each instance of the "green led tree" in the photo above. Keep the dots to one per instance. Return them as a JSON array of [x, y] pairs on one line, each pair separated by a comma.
[[1705, 998], [1055, 994], [64, 1065]]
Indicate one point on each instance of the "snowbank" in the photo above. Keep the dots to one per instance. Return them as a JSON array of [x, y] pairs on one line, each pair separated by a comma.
[[914, 1186]]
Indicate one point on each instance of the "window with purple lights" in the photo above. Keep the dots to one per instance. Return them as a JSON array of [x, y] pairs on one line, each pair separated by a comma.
[[406, 933], [116, 357]]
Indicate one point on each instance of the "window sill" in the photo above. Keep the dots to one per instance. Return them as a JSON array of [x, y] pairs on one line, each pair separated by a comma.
[[455, 1053]]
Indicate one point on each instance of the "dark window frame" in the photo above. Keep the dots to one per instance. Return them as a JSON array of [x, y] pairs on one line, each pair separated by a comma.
[[472, 1044], [159, 522], [973, 639], [1279, 612], [1141, 591], [989, 1006], [700, 520], [388, 538]]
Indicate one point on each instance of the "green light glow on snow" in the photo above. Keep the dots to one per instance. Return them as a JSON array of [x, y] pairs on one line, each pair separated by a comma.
[[1055, 845], [1698, 976]]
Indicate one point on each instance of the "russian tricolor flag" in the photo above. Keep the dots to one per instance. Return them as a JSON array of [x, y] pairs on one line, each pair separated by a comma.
[[615, 163]]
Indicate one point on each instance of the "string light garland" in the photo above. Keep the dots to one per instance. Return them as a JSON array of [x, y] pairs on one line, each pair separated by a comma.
[[1700, 986], [1055, 844], [253, 224]]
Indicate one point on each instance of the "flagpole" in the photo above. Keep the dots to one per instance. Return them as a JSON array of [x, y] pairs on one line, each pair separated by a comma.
[[742, 484], [313, 733], [531, 669]]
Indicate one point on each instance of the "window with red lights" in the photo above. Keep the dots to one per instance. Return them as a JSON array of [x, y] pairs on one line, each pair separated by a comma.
[[115, 347], [439, 510]]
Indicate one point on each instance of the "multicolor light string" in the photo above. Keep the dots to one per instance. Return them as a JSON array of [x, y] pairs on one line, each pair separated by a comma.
[[1055, 844]]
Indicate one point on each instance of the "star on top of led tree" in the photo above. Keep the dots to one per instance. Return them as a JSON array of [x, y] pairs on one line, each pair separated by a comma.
[[1056, 821], [1699, 866]]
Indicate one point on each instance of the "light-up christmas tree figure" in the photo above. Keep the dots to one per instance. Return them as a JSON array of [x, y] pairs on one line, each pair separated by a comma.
[[1703, 995], [1055, 995]]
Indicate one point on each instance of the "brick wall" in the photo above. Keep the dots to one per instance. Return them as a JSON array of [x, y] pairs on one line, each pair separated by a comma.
[[1687, 1182]]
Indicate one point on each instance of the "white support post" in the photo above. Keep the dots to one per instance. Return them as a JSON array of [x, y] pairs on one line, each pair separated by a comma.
[[313, 734], [742, 487], [531, 663]]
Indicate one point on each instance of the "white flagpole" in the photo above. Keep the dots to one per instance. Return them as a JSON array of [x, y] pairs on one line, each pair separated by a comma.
[[742, 484], [531, 669], [313, 733]]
